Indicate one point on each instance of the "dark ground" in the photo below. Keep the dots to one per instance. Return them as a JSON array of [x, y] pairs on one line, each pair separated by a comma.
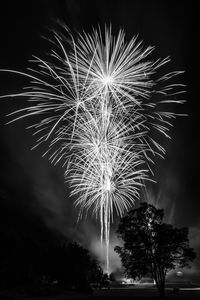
[[128, 292]]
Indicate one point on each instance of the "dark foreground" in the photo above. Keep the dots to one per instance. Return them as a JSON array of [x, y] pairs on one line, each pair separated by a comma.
[[128, 292]]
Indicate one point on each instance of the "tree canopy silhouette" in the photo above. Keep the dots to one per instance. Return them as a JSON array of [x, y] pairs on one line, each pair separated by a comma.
[[72, 266], [151, 247]]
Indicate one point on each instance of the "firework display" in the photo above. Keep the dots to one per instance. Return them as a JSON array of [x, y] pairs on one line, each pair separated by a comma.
[[101, 104]]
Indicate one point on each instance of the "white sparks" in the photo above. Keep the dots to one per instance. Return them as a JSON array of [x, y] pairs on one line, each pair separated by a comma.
[[99, 101]]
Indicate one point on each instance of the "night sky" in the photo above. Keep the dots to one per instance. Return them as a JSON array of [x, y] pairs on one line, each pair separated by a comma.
[[34, 199]]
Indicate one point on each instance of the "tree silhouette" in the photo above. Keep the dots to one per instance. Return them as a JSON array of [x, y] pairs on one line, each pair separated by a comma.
[[37, 261], [151, 246], [71, 266]]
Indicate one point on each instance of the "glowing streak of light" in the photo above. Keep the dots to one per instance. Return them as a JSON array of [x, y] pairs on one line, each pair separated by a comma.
[[97, 103]]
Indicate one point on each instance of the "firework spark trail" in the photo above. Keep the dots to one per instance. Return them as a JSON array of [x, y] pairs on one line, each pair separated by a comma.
[[99, 101]]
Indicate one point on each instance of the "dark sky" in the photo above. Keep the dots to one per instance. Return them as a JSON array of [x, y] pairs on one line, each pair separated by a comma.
[[33, 193]]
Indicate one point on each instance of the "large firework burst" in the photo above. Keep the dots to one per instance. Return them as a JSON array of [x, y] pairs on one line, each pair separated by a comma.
[[99, 99]]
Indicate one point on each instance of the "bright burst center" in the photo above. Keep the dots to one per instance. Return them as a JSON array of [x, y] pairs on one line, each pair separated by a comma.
[[107, 184], [107, 80]]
